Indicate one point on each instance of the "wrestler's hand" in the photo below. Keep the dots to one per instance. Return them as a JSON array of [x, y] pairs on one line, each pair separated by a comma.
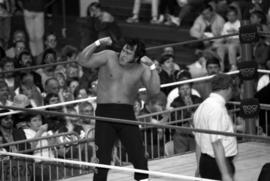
[[147, 61], [107, 41]]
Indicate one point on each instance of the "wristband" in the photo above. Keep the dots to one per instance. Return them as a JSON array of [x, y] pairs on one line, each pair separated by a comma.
[[153, 67], [97, 43]]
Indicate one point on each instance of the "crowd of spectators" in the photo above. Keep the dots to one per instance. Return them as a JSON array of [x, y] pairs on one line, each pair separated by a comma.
[[61, 83]]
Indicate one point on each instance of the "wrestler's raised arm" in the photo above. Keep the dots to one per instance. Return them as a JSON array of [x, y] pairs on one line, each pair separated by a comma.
[[87, 58], [150, 77]]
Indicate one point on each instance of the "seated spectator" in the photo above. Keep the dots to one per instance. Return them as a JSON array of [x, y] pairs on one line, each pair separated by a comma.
[[26, 60], [187, 6], [73, 84], [54, 122], [18, 36], [73, 71], [49, 56], [105, 23], [29, 89], [230, 44], [18, 47], [208, 24], [36, 129], [88, 124], [204, 87], [52, 98], [264, 79], [20, 101], [167, 71], [10, 134], [262, 47], [181, 76], [167, 11], [50, 43], [9, 78], [184, 142], [52, 86], [72, 125], [198, 68], [80, 93], [69, 53], [5, 94], [258, 5], [136, 10], [155, 104], [61, 78]]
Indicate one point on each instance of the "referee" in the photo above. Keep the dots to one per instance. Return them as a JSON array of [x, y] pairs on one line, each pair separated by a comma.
[[215, 153]]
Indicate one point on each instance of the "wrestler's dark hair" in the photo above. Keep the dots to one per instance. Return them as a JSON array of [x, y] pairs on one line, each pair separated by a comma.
[[140, 50], [213, 60], [221, 81]]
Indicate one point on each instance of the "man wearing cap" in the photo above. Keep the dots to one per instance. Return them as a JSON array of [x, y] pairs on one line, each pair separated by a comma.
[[214, 152]]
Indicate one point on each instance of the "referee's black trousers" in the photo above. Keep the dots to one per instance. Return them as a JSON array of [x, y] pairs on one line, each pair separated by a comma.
[[208, 167]]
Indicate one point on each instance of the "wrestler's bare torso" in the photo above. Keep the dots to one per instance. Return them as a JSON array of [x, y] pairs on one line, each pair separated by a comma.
[[119, 84]]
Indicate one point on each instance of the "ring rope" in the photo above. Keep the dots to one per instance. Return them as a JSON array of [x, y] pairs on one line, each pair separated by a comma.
[[142, 89], [126, 169], [132, 122], [149, 49], [191, 41], [37, 67], [51, 106]]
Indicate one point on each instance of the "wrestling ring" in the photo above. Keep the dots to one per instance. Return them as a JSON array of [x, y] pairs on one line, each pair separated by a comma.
[[254, 150]]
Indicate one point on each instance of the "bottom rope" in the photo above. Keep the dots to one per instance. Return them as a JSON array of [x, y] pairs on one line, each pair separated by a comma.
[[124, 169]]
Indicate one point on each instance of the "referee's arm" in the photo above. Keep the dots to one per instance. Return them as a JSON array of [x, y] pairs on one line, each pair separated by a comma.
[[221, 160]]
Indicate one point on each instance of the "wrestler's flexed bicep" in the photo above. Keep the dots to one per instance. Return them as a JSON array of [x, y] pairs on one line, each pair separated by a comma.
[[96, 60]]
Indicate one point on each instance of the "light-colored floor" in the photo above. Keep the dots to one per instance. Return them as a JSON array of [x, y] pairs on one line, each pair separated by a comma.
[[252, 156]]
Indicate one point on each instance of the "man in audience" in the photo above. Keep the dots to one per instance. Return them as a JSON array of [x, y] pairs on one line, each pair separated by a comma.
[[168, 69], [204, 87], [49, 57], [52, 86], [230, 44], [184, 142], [10, 134], [8, 65], [5, 95], [209, 24]]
